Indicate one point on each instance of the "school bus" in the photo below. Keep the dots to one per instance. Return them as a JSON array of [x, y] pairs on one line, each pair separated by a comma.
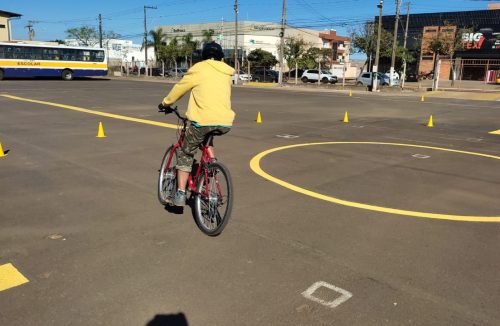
[[30, 60]]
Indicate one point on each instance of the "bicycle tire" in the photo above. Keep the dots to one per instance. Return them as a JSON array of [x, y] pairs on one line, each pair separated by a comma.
[[206, 208], [167, 179]]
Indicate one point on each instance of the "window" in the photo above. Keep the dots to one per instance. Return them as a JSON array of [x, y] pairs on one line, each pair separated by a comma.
[[2, 52], [365, 75], [2, 26], [313, 71]]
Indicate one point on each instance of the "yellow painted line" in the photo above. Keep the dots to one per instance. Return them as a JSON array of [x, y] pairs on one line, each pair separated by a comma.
[[260, 84], [255, 166], [496, 132], [10, 277], [104, 114]]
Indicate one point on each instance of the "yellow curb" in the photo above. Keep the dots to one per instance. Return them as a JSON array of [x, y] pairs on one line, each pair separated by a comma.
[[256, 84]]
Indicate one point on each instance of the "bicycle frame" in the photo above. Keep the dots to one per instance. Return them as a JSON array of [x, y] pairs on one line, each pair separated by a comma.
[[205, 158]]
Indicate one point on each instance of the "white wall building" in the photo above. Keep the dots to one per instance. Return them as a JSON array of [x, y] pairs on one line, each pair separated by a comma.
[[124, 50]]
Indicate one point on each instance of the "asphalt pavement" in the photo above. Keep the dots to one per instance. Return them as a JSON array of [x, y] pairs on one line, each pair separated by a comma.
[[380, 220]]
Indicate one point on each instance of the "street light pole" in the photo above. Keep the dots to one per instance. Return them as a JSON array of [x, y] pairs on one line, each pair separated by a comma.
[[377, 53], [403, 78], [236, 68], [146, 37], [394, 44], [282, 42]]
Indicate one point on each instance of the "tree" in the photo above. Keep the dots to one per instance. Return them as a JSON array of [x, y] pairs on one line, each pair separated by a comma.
[[262, 58], [293, 51], [85, 35], [159, 38], [208, 35], [310, 58], [88, 35], [189, 46], [171, 52], [364, 40]]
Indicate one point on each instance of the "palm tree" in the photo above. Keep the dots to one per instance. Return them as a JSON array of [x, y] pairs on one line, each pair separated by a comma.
[[207, 35], [159, 38], [189, 47]]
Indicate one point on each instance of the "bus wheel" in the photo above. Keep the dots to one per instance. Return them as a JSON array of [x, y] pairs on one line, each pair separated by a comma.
[[1, 74], [67, 74]]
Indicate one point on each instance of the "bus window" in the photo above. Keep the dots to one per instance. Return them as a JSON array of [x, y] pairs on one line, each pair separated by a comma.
[[86, 56], [35, 53], [2, 52], [97, 56]]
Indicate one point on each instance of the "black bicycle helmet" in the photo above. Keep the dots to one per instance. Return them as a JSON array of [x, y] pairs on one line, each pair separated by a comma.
[[212, 50]]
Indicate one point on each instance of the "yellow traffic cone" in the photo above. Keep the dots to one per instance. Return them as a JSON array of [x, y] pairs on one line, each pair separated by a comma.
[[430, 124], [100, 132], [350, 93], [346, 117], [422, 99], [259, 118], [2, 154]]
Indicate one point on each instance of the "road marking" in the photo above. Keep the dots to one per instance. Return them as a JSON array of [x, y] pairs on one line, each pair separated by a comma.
[[344, 295], [10, 277], [255, 166], [287, 136], [420, 156], [104, 114], [496, 132]]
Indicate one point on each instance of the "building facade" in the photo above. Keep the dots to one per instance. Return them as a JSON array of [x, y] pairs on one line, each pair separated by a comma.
[[479, 31], [5, 27], [252, 35]]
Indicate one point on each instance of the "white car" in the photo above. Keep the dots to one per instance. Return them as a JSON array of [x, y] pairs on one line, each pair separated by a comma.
[[242, 76], [311, 75]]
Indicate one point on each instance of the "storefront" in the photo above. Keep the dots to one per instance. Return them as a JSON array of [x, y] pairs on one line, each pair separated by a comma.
[[477, 49]]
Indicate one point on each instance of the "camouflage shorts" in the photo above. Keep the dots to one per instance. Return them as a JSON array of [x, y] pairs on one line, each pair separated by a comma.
[[194, 137]]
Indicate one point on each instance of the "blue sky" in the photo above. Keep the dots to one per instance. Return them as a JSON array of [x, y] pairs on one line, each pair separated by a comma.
[[52, 18]]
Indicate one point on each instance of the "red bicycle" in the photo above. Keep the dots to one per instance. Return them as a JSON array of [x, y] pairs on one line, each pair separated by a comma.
[[209, 184]]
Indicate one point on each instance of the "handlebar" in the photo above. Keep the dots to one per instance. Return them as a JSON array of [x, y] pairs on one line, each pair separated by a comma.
[[169, 109]]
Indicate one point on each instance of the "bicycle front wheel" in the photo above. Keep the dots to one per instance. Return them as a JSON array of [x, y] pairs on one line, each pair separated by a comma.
[[213, 202], [167, 180]]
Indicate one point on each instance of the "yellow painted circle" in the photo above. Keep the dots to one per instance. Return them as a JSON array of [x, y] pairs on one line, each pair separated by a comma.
[[255, 166]]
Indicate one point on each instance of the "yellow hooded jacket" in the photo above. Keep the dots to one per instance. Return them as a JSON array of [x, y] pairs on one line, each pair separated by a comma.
[[210, 100]]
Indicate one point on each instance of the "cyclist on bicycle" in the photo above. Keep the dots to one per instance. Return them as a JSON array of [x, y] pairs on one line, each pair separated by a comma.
[[209, 109]]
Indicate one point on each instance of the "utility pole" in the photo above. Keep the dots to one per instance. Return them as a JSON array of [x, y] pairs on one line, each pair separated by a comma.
[[100, 31], [146, 38], [31, 30], [236, 68], [394, 44], [282, 42], [403, 78], [377, 53]]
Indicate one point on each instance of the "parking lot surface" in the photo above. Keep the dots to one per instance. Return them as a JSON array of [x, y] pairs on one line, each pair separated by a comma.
[[380, 220]]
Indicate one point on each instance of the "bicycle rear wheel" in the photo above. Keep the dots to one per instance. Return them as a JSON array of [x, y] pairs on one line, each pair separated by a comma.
[[167, 180], [213, 202]]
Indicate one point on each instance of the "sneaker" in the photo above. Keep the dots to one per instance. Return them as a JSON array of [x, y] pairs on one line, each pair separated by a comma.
[[179, 198]]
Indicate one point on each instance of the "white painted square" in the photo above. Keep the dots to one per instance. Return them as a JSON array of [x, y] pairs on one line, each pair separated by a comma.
[[344, 295]]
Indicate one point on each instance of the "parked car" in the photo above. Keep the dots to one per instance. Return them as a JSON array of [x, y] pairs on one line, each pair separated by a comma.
[[266, 75], [180, 72], [243, 76], [365, 79], [411, 77], [311, 75], [152, 71], [291, 73]]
